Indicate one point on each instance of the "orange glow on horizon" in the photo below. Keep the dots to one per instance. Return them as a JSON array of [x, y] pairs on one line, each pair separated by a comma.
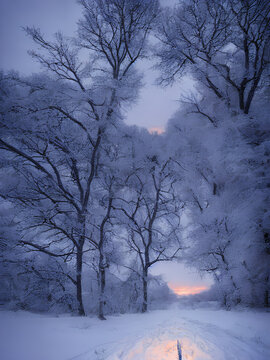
[[186, 290], [156, 130]]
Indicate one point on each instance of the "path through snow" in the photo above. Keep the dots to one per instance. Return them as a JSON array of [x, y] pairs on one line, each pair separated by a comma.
[[203, 334]]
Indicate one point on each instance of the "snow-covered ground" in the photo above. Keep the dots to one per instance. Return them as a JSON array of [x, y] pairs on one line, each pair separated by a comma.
[[203, 334]]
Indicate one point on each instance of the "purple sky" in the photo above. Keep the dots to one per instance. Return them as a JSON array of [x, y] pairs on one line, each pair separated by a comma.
[[154, 106]]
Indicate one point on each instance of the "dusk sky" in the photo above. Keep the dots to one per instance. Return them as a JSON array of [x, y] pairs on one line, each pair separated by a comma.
[[154, 106]]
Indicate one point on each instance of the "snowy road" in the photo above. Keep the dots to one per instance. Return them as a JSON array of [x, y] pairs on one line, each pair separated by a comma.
[[203, 334], [200, 340]]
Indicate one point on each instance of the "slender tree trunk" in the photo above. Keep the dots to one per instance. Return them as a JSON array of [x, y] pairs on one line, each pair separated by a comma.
[[266, 292], [102, 262], [81, 311], [79, 260], [266, 298], [145, 290], [102, 283]]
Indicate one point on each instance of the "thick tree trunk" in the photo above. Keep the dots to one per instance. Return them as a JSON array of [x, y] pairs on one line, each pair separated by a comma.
[[145, 291], [241, 99], [81, 311]]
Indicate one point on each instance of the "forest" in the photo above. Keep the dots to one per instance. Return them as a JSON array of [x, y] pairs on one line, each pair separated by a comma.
[[90, 204]]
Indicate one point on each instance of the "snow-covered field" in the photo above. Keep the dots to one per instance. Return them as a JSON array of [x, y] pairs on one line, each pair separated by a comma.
[[203, 334]]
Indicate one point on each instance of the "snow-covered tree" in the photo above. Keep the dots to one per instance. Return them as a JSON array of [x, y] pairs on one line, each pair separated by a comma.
[[150, 208], [55, 124], [221, 140], [224, 44]]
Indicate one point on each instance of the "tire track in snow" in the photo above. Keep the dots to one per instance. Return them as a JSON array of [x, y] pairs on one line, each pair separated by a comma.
[[199, 341]]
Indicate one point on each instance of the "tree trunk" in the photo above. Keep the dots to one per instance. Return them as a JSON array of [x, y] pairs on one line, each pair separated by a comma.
[[266, 298], [102, 282], [241, 98], [253, 90], [266, 292], [102, 262], [81, 311], [145, 290]]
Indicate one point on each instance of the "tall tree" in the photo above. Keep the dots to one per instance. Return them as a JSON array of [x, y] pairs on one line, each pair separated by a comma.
[[224, 46], [151, 209], [56, 125]]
